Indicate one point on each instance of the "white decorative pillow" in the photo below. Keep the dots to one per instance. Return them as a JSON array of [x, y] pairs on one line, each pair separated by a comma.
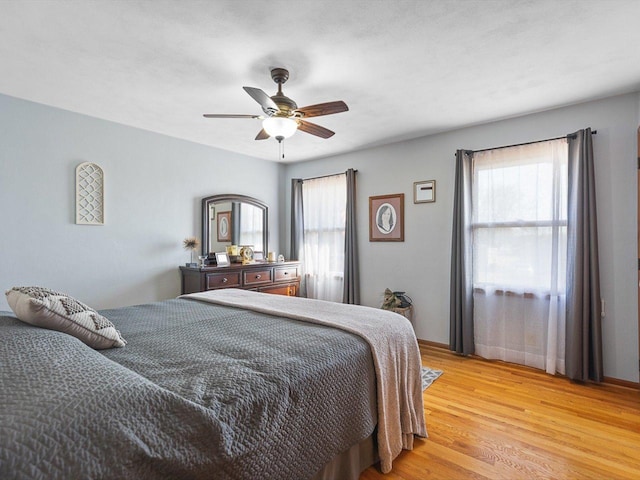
[[54, 310]]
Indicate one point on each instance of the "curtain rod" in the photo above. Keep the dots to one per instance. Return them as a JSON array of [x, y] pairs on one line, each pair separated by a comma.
[[328, 175], [593, 132]]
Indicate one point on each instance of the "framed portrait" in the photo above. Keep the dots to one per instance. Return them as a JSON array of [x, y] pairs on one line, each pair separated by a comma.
[[224, 226], [424, 192], [386, 218], [222, 259]]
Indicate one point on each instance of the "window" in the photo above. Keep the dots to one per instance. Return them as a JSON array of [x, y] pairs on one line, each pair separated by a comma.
[[324, 209], [519, 236]]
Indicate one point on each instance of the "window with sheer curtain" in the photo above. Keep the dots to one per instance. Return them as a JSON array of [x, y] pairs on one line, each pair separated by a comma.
[[324, 209], [519, 237]]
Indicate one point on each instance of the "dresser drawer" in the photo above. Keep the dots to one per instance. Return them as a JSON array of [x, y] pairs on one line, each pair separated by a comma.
[[222, 280], [285, 273], [289, 289], [257, 277]]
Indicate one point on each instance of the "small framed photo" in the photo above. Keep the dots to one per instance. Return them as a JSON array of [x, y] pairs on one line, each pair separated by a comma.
[[224, 226], [386, 218], [222, 259], [258, 256], [424, 192]]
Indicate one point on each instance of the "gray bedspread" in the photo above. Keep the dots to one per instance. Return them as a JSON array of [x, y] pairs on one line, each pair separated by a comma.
[[200, 391]]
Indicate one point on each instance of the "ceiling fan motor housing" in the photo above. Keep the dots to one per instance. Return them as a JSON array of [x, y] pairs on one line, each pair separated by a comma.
[[285, 104]]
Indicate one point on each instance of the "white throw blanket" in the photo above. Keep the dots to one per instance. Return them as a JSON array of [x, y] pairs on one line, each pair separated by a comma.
[[396, 357]]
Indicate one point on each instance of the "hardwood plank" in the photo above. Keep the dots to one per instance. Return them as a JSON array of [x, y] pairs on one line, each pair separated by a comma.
[[495, 420]]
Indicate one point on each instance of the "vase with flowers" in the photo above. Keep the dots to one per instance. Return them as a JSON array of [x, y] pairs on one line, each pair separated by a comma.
[[192, 244]]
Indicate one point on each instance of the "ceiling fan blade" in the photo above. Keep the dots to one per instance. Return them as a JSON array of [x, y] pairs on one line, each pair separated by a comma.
[[263, 99], [229, 115], [262, 135], [314, 129], [327, 108]]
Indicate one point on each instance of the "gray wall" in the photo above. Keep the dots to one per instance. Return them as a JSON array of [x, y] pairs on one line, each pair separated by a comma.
[[420, 265], [153, 188]]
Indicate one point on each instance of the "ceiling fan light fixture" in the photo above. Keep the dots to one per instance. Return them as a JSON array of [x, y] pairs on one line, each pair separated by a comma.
[[279, 126]]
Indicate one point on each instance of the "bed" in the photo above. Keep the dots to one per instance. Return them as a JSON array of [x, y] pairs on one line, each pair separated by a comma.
[[223, 384]]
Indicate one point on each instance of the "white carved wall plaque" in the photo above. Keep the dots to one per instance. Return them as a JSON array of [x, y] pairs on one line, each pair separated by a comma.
[[89, 194]]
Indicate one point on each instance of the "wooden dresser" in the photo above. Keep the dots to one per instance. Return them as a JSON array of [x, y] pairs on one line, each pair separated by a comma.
[[278, 278]]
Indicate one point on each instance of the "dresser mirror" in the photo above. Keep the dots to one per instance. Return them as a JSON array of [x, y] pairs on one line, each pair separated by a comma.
[[233, 220]]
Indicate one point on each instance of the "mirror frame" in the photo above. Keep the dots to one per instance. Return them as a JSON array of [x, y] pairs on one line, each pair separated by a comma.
[[207, 201]]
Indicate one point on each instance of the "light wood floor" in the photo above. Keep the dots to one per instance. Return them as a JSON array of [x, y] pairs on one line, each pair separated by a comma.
[[493, 420]]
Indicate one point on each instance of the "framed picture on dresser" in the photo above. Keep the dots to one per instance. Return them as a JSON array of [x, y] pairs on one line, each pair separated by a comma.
[[222, 259]]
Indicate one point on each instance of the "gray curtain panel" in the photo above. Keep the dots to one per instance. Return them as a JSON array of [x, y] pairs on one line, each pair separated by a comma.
[[461, 291], [584, 324], [297, 229], [351, 293]]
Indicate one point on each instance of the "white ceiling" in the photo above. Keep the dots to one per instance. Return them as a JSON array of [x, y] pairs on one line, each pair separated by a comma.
[[406, 68]]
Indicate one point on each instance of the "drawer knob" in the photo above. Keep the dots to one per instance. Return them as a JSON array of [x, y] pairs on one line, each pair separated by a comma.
[[286, 273], [224, 280], [258, 277]]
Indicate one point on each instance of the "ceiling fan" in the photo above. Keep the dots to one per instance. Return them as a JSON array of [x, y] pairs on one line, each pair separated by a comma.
[[283, 117]]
